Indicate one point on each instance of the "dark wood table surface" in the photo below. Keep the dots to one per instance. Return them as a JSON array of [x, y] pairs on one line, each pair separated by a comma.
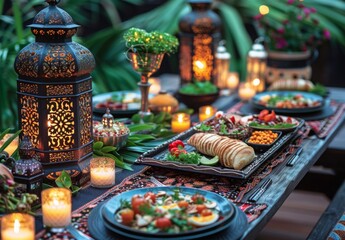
[[285, 179]]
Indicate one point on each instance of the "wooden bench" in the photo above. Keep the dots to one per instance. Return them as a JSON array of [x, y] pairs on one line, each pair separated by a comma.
[[326, 227]]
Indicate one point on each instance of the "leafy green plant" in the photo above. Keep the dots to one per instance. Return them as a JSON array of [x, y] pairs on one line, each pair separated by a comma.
[[65, 181]]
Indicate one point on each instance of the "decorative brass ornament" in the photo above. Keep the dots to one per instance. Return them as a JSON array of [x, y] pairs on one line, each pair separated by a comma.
[[55, 90]]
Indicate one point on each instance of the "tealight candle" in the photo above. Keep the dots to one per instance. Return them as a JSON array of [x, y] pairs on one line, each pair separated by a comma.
[[180, 122], [102, 171], [56, 208], [206, 112], [155, 85], [258, 84], [246, 91], [233, 80], [17, 226]]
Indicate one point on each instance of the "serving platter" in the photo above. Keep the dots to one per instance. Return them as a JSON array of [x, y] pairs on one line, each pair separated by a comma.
[[318, 100], [128, 103], [225, 207], [157, 156]]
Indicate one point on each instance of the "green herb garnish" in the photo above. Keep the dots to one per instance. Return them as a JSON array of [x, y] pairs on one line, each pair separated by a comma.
[[275, 126], [199, 88]]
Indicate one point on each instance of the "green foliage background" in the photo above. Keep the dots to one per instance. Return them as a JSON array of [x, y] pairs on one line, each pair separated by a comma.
[[113, 72]]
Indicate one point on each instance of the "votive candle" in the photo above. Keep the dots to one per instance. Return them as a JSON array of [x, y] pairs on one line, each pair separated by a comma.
[[180, 122], [17, 226], [56, 207], [206, 112], [233, 80], [102, 171], [246, 91]]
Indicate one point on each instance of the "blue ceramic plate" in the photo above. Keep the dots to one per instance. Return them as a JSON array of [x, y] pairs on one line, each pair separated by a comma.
[[225, 207], [256, 101]]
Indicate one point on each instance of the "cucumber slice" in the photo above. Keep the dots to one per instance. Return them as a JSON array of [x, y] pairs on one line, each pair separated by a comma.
[[209, 162]]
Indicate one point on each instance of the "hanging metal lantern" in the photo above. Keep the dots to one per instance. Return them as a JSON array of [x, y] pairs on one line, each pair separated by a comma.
[[199, 38], [54, 90], [256, 66]]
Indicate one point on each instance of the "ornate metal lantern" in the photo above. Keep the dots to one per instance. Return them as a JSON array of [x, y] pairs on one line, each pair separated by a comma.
[[199, 38], [256, 66], [54, 90]]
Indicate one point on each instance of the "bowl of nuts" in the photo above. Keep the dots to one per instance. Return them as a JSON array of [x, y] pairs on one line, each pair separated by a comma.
[[263, 140]]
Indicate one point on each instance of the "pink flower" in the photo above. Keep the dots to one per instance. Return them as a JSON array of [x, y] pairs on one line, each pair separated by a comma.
[[281, 43], [313, 10], [10, 182], [281, 30], [300, 6], [299, 17], [326, 34], [306, 11], [258, 17], [290, 1]]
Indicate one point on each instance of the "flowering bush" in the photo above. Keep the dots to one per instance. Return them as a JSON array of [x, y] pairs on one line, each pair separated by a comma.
[[299, 32]]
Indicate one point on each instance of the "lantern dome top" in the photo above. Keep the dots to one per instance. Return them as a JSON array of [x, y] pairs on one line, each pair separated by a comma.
[[53, 17]]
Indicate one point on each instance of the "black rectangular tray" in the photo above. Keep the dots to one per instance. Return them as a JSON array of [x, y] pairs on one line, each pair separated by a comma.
[[156, 156]]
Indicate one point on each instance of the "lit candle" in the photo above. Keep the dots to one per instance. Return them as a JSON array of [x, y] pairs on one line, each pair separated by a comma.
[[12, 147], [56, 207], [155, 85], [102, 171], [17, 226], [233, 80], [206, 112], [258, 84], [246, 91], [180, 122]]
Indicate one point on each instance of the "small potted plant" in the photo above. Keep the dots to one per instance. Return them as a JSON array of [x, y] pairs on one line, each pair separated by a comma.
[[146, 51], [291, 42]]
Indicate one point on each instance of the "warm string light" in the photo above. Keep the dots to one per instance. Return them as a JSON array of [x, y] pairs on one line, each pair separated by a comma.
[[263, 9]]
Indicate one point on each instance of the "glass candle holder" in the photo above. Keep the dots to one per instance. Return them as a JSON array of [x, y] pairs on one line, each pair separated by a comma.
[[56, 208], [246, 91], [205, 112], [180, 122], [17, 226], [102, 172]]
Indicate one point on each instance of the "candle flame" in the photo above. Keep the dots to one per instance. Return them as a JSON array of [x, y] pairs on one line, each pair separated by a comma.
[[256, 82], [199, 64], [208, 111], [16, 226], [180, 118], [55, 202]]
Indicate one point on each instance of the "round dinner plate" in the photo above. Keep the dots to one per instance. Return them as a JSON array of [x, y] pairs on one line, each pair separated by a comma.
[[298, 122], [225, 207], [256, 101]]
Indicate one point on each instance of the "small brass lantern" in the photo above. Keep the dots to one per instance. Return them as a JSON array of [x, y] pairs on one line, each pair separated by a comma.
[[256, 66], [199, 38], [54, 90]]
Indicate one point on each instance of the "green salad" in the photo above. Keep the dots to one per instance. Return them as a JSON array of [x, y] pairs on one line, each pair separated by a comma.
[[199, 88]]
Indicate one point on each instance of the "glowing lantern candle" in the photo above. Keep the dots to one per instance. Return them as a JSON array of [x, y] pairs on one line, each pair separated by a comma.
[[56, 208], [246, 91], [233, 80], [206, 112], [155, 85], [17, 226], [102, 172], [180, 122]]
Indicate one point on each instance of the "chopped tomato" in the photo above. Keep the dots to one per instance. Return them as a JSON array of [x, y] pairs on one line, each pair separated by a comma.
[[137, 203], [232, 119], [127, 216], [176, 144], [289, 120], [269, 117], [200, 208], [175, 152], [198, 198], [163, 222], [150, 195], [206, 212], [183, 204]]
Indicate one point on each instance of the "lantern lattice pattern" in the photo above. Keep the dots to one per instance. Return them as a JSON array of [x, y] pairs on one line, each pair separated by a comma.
[[199, 37], [55, 89], [256, 66]]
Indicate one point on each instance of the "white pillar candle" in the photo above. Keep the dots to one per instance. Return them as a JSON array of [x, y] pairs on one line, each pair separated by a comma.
[[102, 171], [17, 226], [56, 207]]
